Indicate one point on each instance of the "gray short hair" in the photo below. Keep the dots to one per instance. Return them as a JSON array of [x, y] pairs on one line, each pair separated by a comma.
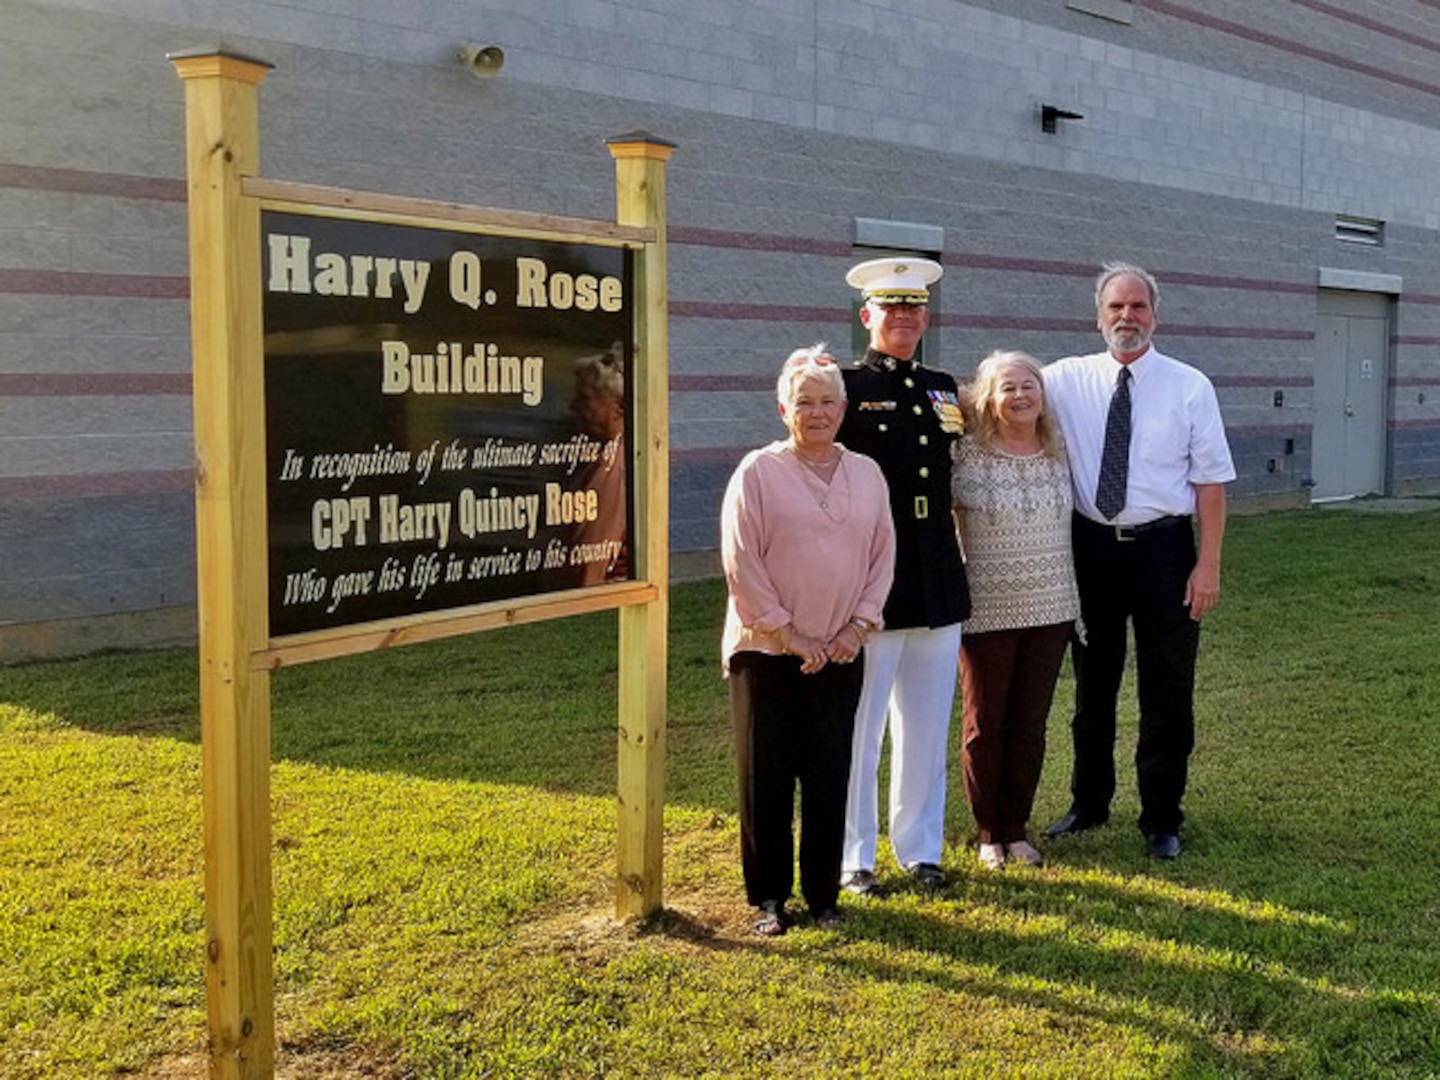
[[813, 361], [1112, 270]]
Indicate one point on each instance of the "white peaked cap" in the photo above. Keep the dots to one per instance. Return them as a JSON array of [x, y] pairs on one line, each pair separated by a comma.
[[896, 279]]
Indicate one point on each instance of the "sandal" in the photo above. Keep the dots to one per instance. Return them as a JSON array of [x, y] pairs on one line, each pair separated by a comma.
[[770, 920]]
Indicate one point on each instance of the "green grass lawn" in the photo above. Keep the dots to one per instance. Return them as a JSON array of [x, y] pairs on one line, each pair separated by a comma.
[[444, 831]]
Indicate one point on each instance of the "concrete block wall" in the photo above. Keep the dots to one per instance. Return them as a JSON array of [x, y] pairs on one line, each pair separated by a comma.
[[1220, 138]]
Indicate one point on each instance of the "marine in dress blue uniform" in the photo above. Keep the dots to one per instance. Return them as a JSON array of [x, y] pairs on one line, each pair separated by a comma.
[[905, 416]]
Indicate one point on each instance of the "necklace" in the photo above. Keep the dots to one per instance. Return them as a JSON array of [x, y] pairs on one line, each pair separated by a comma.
[[823, 469], [826, 476]]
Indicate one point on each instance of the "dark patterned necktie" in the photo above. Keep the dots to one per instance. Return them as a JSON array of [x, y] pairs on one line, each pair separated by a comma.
[[1115, 460]]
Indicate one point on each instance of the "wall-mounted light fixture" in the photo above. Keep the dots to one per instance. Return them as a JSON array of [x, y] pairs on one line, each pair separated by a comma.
[[1051, 113], [482, 61]]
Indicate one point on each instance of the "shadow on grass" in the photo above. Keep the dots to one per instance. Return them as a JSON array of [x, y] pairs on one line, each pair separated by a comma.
[[1226, 987], [1200, 979], [1264, 986], [532, 705]]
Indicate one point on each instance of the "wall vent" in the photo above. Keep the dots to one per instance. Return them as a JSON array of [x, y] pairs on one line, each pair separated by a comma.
[[1358, 230]]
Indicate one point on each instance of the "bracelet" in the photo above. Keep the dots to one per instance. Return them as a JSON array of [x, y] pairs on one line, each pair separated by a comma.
[[861, 625]]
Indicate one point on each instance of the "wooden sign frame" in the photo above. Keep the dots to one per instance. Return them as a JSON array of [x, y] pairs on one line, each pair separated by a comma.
[[237, 653]]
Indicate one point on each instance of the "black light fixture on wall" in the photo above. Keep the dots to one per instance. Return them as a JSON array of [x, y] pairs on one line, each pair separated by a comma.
[[1049, 114]]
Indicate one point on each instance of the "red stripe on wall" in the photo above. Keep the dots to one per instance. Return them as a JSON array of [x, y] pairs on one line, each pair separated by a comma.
[[967, 260], [92, 485], [1245, 382], [696, 237], [1369, 24], [77, 181], [708, 455], [94, 385], [1260, 37], [1264, 431], [681, 384], [73, 283], [694, 309], [699, 309]]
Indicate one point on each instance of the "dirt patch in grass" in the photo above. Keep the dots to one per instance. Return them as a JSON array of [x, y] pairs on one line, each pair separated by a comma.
[[296, 1062]]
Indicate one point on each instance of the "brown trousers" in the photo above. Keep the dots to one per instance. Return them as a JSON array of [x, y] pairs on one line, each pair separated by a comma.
[[1008, 678]]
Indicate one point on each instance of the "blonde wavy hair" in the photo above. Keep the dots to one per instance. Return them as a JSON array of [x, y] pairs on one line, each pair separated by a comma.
[[978, 399]]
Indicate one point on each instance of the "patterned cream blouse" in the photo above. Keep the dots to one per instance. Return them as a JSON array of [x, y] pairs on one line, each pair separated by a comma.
[[1015, 514]]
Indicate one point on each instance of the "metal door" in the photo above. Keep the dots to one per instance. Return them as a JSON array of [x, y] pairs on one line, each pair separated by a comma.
[[1347, 451]]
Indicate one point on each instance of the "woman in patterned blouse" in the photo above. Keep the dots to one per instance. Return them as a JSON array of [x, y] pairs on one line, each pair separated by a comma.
[[1012, 494]]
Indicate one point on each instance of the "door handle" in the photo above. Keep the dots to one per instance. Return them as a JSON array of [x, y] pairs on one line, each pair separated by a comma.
[[1349, 409]]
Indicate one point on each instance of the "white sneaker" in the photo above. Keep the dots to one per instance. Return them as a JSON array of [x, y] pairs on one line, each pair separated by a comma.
[[992, 856], [1020, 849]]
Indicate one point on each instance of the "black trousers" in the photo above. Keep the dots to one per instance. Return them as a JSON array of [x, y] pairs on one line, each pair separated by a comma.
[[792, 728], [1140, 582]]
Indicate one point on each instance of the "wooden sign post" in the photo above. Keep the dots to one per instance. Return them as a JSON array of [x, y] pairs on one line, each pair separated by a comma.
[[640, 200], [222, 147], [275, 546]]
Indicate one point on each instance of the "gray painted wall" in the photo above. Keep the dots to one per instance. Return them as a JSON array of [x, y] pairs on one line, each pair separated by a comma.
[[1220, 139]]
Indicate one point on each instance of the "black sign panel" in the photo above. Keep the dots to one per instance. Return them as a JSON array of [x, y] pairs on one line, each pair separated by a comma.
[[446, 417]]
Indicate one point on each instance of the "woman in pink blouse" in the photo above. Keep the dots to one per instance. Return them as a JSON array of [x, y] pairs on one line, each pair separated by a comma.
[[1011, 486], [809, 553]]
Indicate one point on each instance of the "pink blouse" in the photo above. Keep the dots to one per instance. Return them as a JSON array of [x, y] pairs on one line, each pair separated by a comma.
[[798, 550]]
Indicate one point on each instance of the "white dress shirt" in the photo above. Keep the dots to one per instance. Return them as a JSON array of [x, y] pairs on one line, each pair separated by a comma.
[[1177, 437]]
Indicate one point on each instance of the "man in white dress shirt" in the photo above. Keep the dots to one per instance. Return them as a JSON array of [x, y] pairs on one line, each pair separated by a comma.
[[1137, 515]]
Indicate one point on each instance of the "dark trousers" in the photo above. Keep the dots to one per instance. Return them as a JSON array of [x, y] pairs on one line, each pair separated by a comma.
[[792, 728], [1008, 678], [1140, 581]]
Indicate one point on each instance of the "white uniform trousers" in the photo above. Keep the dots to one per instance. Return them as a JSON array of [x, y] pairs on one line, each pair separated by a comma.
[[910, 674]]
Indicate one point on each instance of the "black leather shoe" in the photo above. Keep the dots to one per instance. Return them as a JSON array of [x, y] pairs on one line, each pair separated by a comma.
[[863, 883], [927, 875], [1072, 822], [1163, 846]]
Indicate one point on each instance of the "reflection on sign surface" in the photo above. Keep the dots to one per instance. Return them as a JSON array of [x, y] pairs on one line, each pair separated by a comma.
[[446, 418]]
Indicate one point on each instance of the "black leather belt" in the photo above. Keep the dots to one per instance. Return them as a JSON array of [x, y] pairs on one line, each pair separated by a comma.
[[1128, 533]]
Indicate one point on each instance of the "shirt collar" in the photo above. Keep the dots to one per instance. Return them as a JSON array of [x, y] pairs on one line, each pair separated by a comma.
[[1138, 367]]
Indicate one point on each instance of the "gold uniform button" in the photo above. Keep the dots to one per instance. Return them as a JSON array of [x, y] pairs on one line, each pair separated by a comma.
[[884, 427], [924, 440], [918, 410], [924, 472], [909, 384]]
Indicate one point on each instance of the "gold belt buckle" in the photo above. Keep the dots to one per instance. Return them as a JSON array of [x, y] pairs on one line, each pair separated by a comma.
[[922, 507]]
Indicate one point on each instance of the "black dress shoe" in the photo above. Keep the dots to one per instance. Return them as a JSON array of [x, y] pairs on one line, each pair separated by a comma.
[[863, 883], [1163, 846], [1072, 822], [927, 875]]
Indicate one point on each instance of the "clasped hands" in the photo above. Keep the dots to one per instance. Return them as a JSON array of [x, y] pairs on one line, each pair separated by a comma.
[[814, 653]]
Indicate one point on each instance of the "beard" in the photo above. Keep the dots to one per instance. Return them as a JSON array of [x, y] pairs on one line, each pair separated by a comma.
[[1127, 338]]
